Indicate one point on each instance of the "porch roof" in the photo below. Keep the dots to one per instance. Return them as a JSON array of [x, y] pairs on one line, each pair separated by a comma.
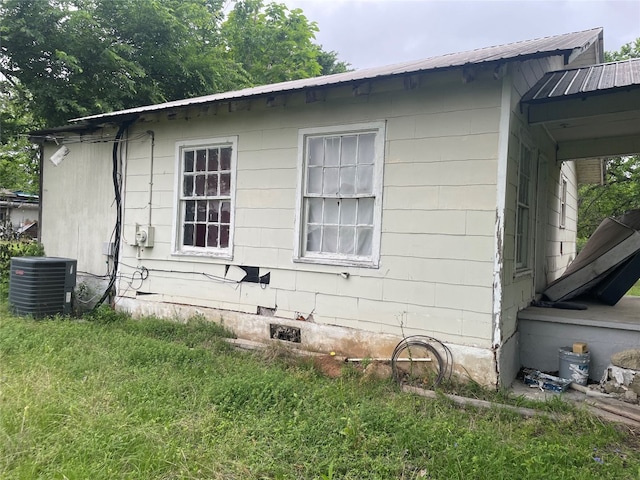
[[591, 79], [591, 111]]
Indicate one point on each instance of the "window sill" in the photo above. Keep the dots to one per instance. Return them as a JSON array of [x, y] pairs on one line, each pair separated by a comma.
[[339, 262], [209, 255], [525, 272]]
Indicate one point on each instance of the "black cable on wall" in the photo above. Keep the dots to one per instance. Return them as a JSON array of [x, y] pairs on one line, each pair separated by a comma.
[[118, 201]]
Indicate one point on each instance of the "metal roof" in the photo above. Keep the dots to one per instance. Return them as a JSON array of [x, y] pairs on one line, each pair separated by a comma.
[[591, 79], [556, 45]]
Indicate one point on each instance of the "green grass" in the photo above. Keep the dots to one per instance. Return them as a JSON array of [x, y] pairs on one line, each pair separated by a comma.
[[635, 290], [113, 398]]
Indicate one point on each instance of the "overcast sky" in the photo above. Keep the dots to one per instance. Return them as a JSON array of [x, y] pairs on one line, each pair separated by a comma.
[[369, 33]]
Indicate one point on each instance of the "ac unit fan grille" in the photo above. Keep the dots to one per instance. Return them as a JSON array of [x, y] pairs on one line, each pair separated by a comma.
[[41, 286]]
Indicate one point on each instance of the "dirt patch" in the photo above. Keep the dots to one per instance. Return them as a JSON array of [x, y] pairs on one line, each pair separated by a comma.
[[328, 365]]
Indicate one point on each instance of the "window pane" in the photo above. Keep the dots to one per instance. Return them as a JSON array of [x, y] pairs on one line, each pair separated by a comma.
[[201, 215], [214, 206], [331, 209], [200, 181], [188, 161], [201, 233], [314, 184], [313, 238], [190, 211], [365, 179], [213, 159], [224, 236], [212, 236], [348, 180], [187, 186], [348, 212], [349, 150], [206, 220], [331, 179], [365, 211], [316, 151], [187, 237], [201, 160], [212, 185], [315, 210], [225, 158], [366, 148], [330, 239], [225, 215], [225, 184], [332, 151], [365, 240], [347, 239], [522, 232]]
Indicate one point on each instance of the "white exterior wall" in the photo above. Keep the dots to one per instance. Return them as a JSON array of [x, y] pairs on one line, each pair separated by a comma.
[[78, 212], [19, 214], [553, 247], [561, 240], [439, 200]]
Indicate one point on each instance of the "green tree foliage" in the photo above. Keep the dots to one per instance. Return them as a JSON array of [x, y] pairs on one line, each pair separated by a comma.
[[18, 156], [81, 57], [627, 51], [621, 189], [63, 59], [619, 194], [275, 44]]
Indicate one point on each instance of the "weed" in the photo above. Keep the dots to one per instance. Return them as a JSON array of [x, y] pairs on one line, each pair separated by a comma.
[[105, 314]]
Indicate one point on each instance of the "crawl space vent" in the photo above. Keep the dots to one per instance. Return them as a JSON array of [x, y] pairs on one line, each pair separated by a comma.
[[41, 286]]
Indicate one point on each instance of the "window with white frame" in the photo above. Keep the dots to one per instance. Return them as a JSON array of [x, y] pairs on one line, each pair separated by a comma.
[[524, 217], [563, 201], [340, 199], [206, 196]]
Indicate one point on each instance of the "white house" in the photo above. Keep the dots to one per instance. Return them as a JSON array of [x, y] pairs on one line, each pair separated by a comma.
[[19, 212], [357, 208]]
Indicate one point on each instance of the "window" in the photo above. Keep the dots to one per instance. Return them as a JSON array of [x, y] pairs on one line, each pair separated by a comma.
[[563, 201], [340, 198], [524, 211], [206, 194]]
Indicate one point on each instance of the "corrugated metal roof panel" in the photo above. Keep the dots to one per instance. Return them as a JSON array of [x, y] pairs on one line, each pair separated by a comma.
[[578, 80], [623, 77], [594, 78], [559, 44], [608, 77], [635, 72]]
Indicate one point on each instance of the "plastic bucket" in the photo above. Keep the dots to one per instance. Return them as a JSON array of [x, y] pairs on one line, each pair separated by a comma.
[[574, 366]]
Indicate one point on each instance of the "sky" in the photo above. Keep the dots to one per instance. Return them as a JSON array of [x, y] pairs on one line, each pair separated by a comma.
[[369, 33]]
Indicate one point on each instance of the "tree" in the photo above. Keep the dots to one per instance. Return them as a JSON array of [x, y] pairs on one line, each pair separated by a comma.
[[18, 156], [627, 51], [81, 57], [621, 189], [274, 44], [63, 59], [618, 194]]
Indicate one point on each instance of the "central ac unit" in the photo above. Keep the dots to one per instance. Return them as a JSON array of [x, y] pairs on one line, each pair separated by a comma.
[[41, 286]]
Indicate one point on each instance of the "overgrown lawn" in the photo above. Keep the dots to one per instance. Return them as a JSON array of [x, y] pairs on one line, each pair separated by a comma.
[[148, 399]]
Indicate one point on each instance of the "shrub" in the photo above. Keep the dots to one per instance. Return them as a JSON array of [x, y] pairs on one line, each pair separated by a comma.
[[15, 248]]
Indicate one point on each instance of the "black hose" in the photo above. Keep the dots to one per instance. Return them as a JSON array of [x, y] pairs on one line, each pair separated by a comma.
[[440, 353]]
